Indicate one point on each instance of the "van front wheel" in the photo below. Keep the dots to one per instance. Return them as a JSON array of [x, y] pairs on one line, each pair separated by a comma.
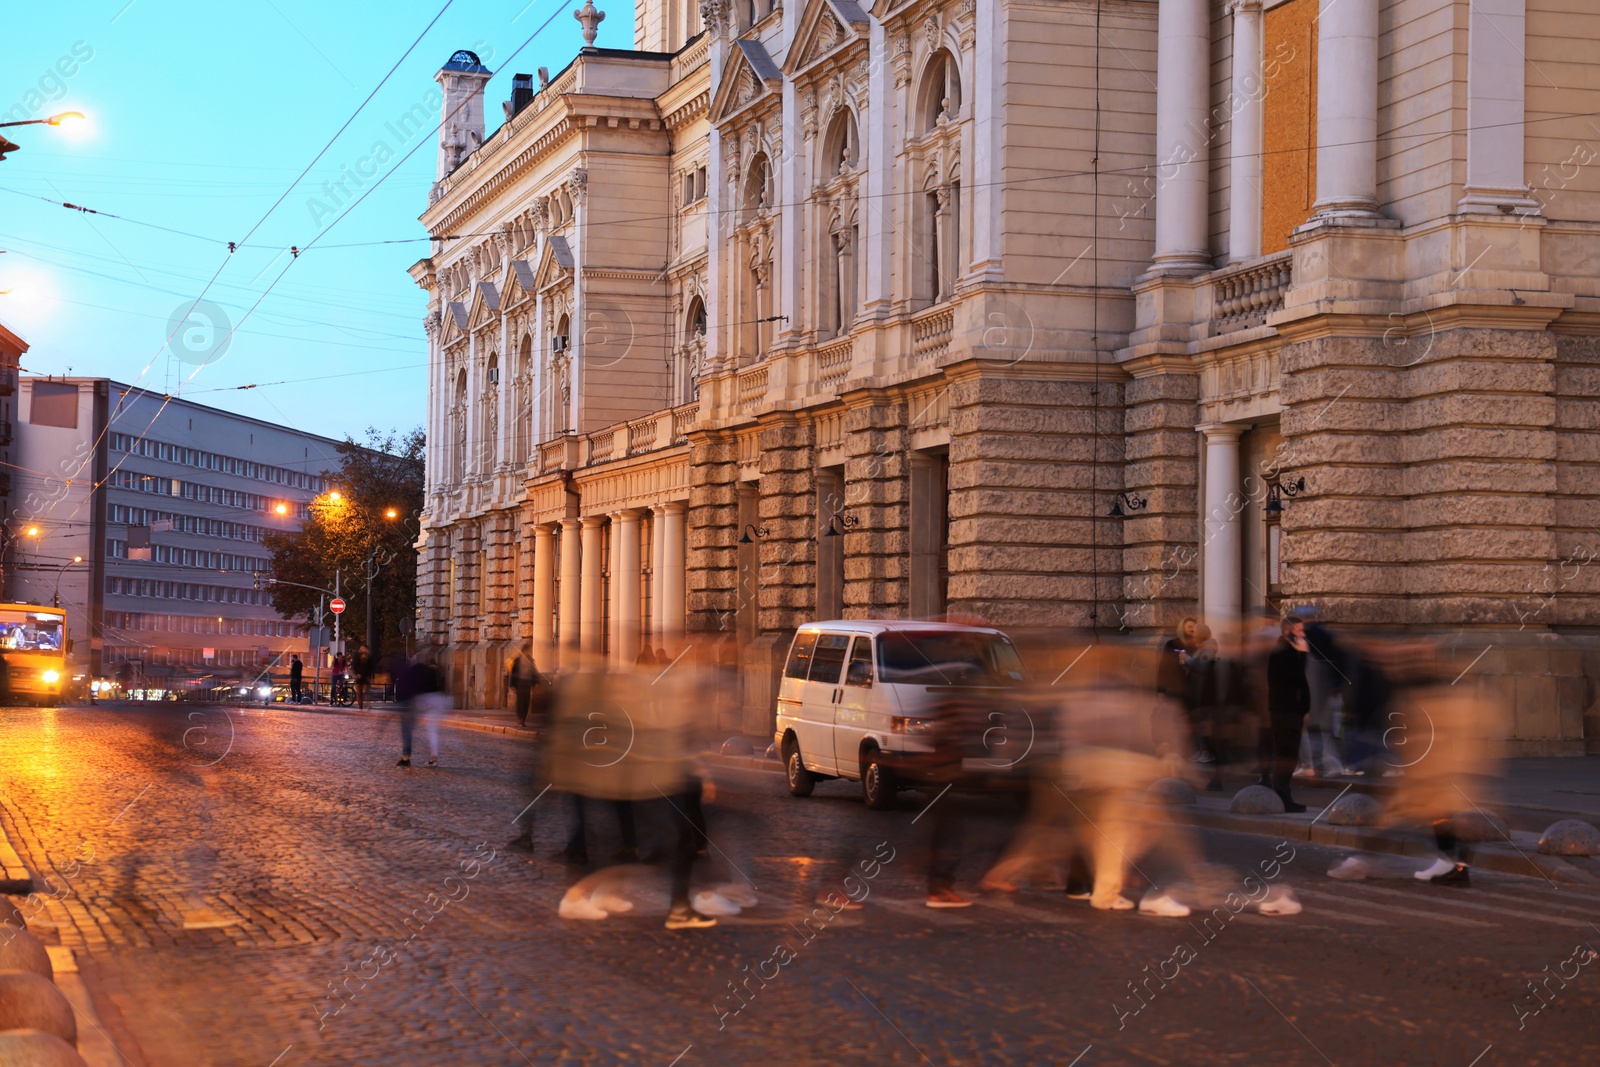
[[878, 787], [801, 781]]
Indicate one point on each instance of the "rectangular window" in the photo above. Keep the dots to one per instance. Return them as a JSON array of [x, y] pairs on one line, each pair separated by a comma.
[[1289, 121], [800, 656], [827, 661]]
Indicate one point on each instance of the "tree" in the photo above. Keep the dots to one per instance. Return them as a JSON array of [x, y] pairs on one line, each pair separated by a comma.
[[368, 514]]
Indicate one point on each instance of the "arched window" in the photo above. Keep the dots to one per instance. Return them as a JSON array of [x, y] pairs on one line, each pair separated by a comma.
[[522, 433], [753, 11], [841, 146], [940, 94], [458, 453], [560, 390], [757, 186], [695, 321]]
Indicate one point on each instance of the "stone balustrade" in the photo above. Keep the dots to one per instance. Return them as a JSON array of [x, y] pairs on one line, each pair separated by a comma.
[[930, 333], [1243, 296], [833, 365]]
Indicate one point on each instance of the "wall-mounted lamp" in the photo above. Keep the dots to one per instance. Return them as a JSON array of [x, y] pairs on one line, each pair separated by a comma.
[[1126, 502], [840, 523], [1280, 489], [758, 531]]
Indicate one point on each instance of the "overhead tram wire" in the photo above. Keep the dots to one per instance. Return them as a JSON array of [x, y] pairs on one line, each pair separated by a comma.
[[259, 222], [1426, 138]]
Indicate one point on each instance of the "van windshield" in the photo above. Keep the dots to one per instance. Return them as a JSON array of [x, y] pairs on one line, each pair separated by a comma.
[[948, 657], [25, 631]]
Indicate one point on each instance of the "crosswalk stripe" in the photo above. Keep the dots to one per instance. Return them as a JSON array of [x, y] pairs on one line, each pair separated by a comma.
[[1393, 908], [942, 916], [1558, 920]]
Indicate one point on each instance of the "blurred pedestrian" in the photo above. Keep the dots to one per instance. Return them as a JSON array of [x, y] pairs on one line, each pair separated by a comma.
[[364, 668], [522, 677], [1288, 701], [296, 675], [1326, 678], [422, 685]]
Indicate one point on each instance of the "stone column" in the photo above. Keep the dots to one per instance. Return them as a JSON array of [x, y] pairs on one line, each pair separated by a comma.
[[592, 617], [658, 605], [1347, 108], [1244, 172], [613, 589], [1183, 95], [671, 581], [1496, 95], [877, 493], [625, 580], [544, 576], [571, 609], [786, 580], [1221, 599]]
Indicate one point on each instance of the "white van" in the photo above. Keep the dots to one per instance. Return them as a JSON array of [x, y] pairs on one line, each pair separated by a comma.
[[854, 692]]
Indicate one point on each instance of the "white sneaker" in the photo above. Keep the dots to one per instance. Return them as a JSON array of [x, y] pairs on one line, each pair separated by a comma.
[[1350, 869], [1304, 771], [1119, 903], [1162, 904], [1281, 901], [1438, 867]]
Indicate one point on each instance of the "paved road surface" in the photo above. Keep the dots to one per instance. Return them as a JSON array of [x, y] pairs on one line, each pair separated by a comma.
[[300, 826]]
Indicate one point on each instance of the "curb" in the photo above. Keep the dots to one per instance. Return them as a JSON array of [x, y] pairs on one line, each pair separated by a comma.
[[16, 878]]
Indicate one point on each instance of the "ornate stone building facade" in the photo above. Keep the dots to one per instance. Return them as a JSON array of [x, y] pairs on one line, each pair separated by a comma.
[[1048, 312]]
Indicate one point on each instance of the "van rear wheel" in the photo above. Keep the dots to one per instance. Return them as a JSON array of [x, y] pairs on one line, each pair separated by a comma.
[[801, 781], [878, 786]]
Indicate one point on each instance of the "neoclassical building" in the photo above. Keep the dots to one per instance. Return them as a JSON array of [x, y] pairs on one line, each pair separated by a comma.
[[1045, 312]]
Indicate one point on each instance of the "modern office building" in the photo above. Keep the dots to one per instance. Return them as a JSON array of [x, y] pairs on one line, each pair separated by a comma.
[[143, 515], [12, 348]]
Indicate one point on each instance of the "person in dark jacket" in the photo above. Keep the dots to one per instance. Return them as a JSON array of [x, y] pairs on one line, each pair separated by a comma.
[[1288, 701], [421, 680], [296, 675]]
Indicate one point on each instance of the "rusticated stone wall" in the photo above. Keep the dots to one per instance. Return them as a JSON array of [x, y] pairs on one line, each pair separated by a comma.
[[787, 511], [1030, 532], [1344, 537], [1160, 542], [877, 493]]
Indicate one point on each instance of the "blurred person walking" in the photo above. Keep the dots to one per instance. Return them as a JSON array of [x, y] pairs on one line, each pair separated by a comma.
[[364, 668], [1288, 701], [522, 677], [422, 687], [1326, 679]]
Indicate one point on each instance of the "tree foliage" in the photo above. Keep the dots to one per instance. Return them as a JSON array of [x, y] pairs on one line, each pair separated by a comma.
[[368, 513]]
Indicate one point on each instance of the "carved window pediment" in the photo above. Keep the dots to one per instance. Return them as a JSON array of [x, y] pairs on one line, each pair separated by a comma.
[[826, 27], [750, 80]]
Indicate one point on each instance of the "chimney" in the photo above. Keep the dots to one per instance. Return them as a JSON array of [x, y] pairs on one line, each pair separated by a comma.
[[521, 94], [461, 119]]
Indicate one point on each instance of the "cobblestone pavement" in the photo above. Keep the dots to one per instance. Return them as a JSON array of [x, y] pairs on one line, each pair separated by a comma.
[[394, 887]]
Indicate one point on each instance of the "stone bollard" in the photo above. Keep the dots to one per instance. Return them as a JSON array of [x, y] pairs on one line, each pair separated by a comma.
[[22, 952], [1570, 837], [29, 1001], [737, 746], [1256, 800], [1172, 791], [35, 1048], [1355, 809], [1480, 827]]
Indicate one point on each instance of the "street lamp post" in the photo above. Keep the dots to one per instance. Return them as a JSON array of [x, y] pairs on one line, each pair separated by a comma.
[[54, 120], [55, 598]]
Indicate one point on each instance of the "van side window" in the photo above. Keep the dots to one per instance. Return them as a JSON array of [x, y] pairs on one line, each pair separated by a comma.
[[800, 657], [860, 672], [827, 663]]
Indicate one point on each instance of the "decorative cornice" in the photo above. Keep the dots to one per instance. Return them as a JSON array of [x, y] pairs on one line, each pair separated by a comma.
[[696, 108]]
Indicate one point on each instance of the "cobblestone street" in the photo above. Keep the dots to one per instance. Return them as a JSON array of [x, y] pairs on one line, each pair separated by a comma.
[[394, 887]]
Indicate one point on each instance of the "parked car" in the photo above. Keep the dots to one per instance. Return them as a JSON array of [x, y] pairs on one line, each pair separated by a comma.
[[858, 700]]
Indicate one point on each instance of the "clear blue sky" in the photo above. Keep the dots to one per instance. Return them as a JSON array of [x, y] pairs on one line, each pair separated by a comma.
[[202, 115]]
